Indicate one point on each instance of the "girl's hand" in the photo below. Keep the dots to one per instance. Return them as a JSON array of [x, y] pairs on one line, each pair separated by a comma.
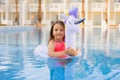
[[72, 52]]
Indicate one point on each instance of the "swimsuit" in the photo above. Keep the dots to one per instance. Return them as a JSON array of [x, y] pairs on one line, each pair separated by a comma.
[[59, 47]]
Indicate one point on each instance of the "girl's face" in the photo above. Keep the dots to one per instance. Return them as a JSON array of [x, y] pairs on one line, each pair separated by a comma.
[[58, 32]]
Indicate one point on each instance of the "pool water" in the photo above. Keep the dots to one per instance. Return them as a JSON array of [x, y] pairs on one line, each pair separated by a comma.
[[100, 59]]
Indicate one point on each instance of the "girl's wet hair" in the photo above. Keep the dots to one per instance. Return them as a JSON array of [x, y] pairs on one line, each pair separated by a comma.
[[51, 31]]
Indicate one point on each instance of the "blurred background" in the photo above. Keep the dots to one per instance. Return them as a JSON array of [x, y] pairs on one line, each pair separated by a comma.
[[98, 13]]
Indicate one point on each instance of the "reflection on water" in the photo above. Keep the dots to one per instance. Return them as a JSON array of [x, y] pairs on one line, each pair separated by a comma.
[[62, 69], [100, 58]]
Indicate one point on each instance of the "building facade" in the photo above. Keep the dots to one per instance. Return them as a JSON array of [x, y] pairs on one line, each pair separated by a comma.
[[93, 10]]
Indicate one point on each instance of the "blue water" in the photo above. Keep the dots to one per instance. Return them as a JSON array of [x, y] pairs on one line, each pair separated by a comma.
[[100, 58]]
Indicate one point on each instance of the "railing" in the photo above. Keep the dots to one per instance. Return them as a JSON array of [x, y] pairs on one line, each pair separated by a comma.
[[33, 7], [11, 29], [54, 7], [96, 6]]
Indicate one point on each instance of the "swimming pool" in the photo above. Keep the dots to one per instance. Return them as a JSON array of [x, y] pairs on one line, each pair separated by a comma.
[[100, 58]]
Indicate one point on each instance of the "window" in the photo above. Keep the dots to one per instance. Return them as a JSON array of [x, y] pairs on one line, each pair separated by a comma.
[[97, 19], [98, 0], [35, 1], [0, 6], [2, 1], [117, 0], [4, 16], [117, 19], [54, 17], [0, 18], [57, 1], [75, 0]]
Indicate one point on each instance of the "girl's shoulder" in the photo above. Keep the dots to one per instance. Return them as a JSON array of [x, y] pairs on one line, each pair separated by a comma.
[[55, 42], [51, 42]]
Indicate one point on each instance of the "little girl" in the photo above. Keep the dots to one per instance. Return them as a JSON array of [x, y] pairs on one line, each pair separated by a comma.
[[56, 43]]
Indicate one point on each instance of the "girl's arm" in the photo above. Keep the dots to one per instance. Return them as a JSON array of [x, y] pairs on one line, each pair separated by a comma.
[[73, 52], [51, 51]]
